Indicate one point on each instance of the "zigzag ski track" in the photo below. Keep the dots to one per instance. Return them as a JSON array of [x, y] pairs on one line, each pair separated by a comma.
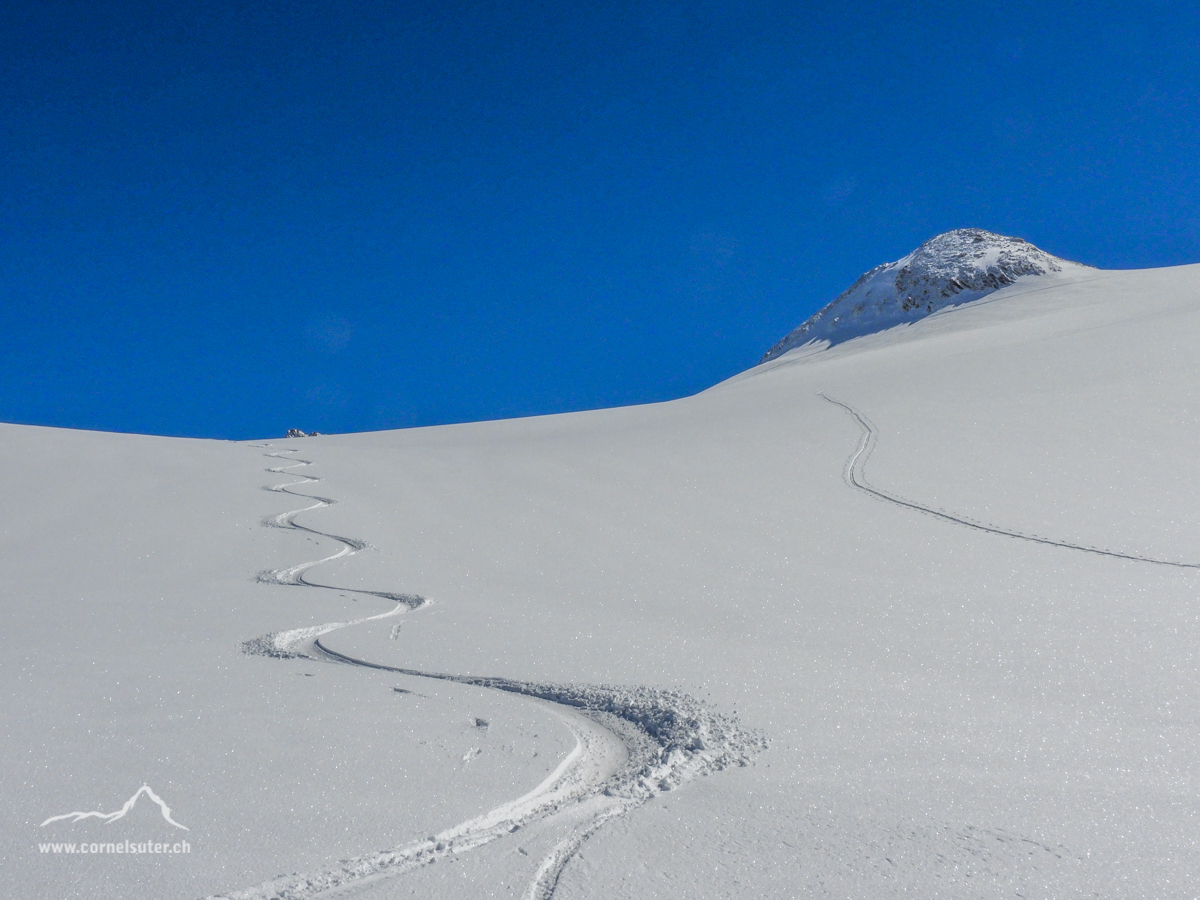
[[631, 742]]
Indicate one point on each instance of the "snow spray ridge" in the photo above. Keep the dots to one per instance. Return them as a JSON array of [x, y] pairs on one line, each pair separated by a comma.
[[856, 478], [632, 743]]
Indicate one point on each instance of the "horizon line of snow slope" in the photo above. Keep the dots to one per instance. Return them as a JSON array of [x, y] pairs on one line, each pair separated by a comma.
[[951, 269], [950, 712]]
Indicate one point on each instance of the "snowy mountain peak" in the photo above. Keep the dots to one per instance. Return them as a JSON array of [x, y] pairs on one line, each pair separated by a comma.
[[950, 269]]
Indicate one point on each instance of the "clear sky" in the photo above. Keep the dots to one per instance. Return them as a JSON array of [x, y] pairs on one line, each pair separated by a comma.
[[228, 219]]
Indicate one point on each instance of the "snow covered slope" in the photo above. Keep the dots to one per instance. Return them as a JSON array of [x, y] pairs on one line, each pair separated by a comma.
[[947, 573], [948, 270]]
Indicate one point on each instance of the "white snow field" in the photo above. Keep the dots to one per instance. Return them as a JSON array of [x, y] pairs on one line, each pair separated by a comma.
[[913, 615]]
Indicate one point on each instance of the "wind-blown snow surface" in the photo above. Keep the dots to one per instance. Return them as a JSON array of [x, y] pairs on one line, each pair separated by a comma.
[[953, 709], [948, 270]]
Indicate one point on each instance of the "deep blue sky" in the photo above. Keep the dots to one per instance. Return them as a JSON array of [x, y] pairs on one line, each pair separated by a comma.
[[226, 219]]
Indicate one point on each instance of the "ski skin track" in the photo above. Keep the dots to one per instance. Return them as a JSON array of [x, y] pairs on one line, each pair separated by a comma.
[[589, 776], [855, 477]]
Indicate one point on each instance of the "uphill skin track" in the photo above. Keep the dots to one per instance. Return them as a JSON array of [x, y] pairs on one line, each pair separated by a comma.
[[856, 478], [631, 743]]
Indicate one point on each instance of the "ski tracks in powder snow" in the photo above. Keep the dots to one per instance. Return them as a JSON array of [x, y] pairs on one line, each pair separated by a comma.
[[856, 478], [631, 743]]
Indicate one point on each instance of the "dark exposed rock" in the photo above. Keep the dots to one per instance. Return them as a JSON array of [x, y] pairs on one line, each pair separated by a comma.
[[950, 269]]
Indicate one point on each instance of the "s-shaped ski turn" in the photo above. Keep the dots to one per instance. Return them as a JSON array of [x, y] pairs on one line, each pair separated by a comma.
[[631, 742], [855, 477]]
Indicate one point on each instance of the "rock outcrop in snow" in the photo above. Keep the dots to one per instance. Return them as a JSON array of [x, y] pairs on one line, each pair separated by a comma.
[[950, 269]]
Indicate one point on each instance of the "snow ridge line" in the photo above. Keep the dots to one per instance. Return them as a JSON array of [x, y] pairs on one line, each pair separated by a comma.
[[632, 743], [855, 476]]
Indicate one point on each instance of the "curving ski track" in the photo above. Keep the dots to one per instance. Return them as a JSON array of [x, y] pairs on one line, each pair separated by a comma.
[[631, 743], [855, 477]]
